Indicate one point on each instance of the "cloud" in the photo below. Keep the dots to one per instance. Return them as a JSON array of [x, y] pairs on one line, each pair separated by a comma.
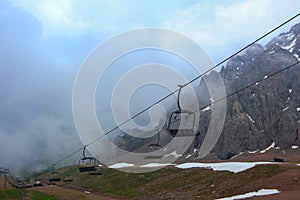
[[73, 19], [36, 125], [222, 26]]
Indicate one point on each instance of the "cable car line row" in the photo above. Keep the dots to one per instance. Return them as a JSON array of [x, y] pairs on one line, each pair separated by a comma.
[[92, 164]]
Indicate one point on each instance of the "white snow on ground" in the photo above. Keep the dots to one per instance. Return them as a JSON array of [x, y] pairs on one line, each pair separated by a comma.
[[157, 165], [291, 44], [296, 55], [290, 90], [298, 109], [295, 147], [250, 118], [121, 165], [225, 166], [188, 156], [237, 155], [206, 108], [265, 77], [270, 147], [271, 52], [261, 192], [174, 153], [234, 167], [290, 36], [285, 108], [252, 151]]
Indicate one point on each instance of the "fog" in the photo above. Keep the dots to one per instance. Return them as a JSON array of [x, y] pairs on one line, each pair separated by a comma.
[[37, 76], [42, 49], [36, 125]]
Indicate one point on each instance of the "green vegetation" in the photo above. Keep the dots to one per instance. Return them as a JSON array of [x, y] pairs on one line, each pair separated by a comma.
[[172, 182], [42, 196], [10, 194], [16, 193]]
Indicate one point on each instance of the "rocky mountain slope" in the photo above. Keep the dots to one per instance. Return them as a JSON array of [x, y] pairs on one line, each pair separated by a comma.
[[270, 110]]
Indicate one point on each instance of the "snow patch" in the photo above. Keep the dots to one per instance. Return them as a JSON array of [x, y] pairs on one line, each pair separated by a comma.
[[252, 59], [252, 151], [271, 52], [234, 167], [290, 90], [285, 108], [174, 153], [270, 147], [298, 109], [265, 77], [237, 155], [188, 156], [150, 165], [206, 108], [237, 68], [292, 44], [257, 83], [261, 192], [290, 36], [121, 165], [296, 55], [250, 118], [295, 147], [242, 63]]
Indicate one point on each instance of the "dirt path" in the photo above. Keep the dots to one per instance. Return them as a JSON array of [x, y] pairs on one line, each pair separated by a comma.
[[67, 193]]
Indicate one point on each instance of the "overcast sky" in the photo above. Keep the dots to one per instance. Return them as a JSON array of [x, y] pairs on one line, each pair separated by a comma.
[[43, 43]]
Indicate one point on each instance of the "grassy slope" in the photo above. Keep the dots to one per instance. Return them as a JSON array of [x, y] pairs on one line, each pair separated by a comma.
[[16, 193], [172, 182]]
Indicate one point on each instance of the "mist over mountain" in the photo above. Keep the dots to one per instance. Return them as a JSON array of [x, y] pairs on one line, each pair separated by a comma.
[[267, 112]]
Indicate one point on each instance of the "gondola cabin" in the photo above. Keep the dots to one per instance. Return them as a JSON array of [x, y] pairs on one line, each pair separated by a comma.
[[87, 164], [54, 177], [182, 123]]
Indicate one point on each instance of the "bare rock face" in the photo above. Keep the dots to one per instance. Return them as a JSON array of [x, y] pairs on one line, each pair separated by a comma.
[[268, 111]]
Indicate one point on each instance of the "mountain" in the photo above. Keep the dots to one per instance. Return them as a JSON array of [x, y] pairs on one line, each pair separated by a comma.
[[266, 112]]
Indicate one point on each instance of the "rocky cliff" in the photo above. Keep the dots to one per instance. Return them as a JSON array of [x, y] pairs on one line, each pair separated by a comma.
[[267, 112]]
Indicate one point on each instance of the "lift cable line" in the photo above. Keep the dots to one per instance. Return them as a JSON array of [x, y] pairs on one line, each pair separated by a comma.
[[199, 76], [252, 84], [239, 90], [184, 85]]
